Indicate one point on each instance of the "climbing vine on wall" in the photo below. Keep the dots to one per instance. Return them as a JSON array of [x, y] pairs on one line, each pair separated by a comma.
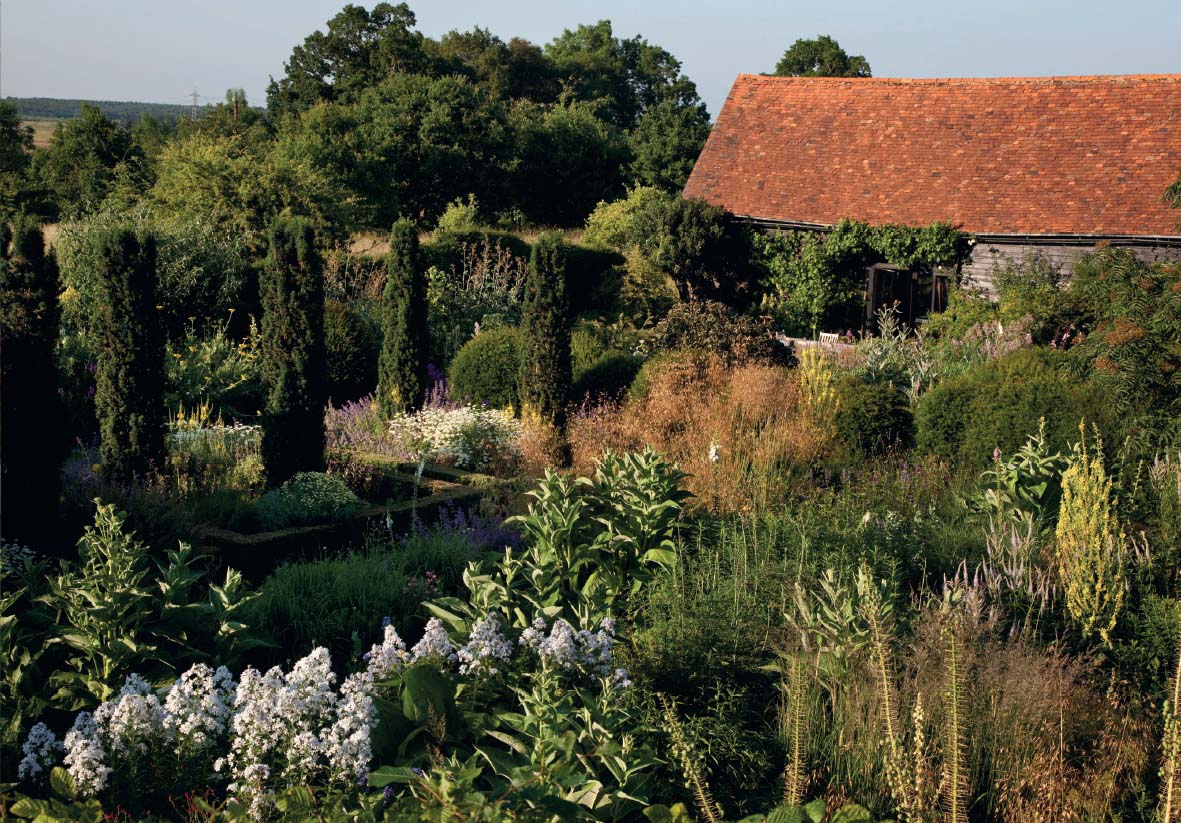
[[814, 281]]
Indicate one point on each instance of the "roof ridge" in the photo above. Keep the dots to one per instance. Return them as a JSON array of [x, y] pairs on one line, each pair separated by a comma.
[[1055, 78]]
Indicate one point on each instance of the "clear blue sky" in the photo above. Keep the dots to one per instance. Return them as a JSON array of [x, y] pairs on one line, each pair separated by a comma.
[[158, 50]]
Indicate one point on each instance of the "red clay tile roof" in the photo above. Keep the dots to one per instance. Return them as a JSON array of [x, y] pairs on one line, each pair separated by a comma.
[[1052, 155]]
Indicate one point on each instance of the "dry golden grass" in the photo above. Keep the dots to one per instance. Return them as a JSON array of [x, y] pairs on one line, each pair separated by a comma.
[[377, 244], [371, 244], [739, 432], [42, 131]]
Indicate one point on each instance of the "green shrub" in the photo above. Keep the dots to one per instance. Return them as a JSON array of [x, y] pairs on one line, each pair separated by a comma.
[[308, 497], [711, 327], [445, 249], [966, 309], [480, 286], [1132, 343], [998, 404], [352, 344], [293, 352], [487, 369], [614, 225], [1034, 288], [217, 370], [339, 602], [609, 376], [129, 382], [873, 417], [460, 216], [589, 343], [593, 279], [202, 271]]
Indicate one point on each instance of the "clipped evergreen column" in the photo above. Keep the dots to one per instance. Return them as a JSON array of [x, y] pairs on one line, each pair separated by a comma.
[[292, 352], [31, 446], [545, 365], [129, 380], [401, 376]]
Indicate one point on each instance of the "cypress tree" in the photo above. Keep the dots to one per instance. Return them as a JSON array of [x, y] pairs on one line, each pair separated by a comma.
[[292, 352], [545, 365], [30, 419], [401, 381], [129, 336]]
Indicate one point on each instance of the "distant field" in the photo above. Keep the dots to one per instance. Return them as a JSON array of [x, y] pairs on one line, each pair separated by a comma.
[[42, 131]]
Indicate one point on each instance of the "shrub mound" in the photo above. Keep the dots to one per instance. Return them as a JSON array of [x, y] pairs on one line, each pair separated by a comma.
[[998, 404], [487, 368], [712, 327], [873, 417], [609, 376]]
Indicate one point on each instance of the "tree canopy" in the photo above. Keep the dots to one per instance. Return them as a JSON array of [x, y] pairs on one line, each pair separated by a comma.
[[372, 121], [821, 57]]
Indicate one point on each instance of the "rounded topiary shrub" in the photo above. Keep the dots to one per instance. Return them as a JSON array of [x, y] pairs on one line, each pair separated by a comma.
[[487, 369], [352, 343], [609, 376], [873, 417], [997, 404]]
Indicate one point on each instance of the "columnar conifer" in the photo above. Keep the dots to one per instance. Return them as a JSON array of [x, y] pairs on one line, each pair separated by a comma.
[[129, 338], [292, 352], [401, 382], [29, 407], [545, 366]]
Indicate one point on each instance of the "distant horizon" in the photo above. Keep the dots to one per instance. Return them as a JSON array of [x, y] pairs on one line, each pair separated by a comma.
[[210, 101], [156, 51]]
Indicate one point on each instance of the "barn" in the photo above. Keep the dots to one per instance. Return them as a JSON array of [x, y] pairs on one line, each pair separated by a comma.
[[1047, 165]]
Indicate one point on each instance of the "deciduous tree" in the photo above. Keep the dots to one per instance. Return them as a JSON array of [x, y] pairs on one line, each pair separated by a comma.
[[821, 57], [665, 144], [84, 161], [360, 49], [16, 146]]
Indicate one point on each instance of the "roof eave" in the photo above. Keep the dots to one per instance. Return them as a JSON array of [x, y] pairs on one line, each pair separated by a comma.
[[998, 238]]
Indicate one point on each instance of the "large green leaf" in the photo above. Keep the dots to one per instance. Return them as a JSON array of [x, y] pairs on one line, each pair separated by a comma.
[[851, 813], [427, 691], [386, 775], [62, 783], [787, 814]]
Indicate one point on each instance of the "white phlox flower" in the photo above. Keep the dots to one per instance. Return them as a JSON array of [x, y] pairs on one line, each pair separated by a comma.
[[41, 751], [435, 646], [85, 759], [388, 657], [487, 648]]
